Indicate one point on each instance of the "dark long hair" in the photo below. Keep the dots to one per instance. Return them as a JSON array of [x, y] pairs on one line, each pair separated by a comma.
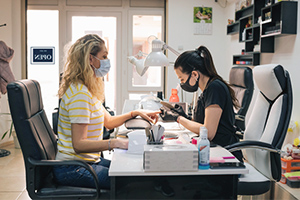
[[201, 60]]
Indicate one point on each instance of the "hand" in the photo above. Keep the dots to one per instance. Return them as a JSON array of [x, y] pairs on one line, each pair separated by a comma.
[[168, 115], [151, 116], [178, 109], [119, 143]]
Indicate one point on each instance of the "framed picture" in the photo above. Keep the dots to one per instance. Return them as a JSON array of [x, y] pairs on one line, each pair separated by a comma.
[[203, 20]]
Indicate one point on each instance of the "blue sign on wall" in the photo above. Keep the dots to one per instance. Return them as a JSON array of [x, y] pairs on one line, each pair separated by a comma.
[[42, 55]]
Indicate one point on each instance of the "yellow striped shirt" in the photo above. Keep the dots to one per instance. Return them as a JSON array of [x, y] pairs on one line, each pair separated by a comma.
[[79, 106]]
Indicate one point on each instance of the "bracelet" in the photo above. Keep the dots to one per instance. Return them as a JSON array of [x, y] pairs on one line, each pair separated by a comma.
[[109, 148]]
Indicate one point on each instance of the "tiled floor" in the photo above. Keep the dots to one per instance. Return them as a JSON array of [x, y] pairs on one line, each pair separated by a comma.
[[12, 177]]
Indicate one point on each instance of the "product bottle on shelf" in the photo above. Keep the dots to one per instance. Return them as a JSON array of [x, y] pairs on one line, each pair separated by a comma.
[[204, 149], [174, 97], [244, 35]]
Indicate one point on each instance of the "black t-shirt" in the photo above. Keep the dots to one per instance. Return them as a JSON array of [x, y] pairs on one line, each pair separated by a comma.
[[217, 93]]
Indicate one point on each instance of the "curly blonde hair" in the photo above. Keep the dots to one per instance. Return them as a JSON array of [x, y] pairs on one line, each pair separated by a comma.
[[77, 68]]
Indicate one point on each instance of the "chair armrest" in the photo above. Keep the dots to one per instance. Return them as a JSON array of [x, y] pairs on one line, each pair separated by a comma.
[[67, 162], [252, 144], [240, 117]]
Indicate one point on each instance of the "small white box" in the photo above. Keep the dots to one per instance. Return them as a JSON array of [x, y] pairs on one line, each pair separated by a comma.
[[179, 157], [137, 141]]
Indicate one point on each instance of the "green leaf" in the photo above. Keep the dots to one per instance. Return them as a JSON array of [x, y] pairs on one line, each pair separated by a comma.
[[11, 128], [10, 131], [3, 136]]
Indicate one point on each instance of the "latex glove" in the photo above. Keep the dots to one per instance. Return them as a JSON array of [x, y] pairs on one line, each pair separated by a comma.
[[178, 109], [168, 115]]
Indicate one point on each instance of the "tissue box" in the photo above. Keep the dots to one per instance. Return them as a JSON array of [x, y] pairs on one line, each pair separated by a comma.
[[179, 157]]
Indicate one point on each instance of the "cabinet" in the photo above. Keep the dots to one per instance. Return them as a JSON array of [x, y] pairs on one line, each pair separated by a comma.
[[257, 26]]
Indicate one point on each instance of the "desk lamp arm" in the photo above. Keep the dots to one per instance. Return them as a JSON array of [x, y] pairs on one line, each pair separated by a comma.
[[165, 47]]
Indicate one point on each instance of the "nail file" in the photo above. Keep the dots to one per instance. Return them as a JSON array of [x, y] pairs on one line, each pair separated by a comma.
[[161, 131], [147, 130], [155, 132], [166, 104]]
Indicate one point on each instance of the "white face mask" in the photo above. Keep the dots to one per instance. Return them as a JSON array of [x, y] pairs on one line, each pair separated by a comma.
[[103, 69]]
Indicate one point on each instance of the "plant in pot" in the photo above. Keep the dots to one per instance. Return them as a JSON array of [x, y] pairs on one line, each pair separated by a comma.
[[10, 132]]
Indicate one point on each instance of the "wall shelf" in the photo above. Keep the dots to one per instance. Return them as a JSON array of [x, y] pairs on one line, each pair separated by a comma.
[[243, 12], [277, 19], [233, 28], [249, 58], [283, 19]]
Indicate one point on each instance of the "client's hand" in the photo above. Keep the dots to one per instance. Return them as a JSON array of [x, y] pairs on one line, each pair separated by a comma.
[[168, 115], [178, 109], [151, 116], [119, 143]]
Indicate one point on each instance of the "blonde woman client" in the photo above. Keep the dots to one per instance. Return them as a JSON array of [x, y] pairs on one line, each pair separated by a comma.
[[82, 115]]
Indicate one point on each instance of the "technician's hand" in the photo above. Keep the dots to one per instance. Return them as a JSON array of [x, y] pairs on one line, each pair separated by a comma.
[[151, 116], [178, 109], [168, 115]]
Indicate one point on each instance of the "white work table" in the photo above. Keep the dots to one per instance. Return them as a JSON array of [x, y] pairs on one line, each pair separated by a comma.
[[127, 168], [126, 164]]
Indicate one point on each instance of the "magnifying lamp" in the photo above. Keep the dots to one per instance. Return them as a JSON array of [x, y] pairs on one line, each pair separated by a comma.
[[155, 58], [138, 63]]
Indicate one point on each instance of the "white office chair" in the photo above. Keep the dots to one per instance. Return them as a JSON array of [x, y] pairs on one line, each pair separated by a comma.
[[266, 129]]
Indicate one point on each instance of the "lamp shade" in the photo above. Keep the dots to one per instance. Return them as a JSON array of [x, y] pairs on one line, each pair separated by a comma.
[[156, 57], [139, 65]]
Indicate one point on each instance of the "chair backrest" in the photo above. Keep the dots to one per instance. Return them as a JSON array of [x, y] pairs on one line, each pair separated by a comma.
[[33, 130], [241, 81], [270, 117]]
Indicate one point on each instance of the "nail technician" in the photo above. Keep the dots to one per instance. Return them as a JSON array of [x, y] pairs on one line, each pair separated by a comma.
[[214, 109]]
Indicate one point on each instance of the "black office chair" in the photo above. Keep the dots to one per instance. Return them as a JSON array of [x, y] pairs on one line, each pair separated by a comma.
[[266, 129], [241, 81], [39, 147]]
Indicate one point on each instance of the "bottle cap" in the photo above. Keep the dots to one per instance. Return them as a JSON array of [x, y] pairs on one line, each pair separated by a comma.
[[174, 91], [203, 130], [194, 141]]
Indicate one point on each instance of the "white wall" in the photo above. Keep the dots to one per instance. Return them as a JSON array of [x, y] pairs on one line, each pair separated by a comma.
[[180, 33], [223, 47], [10, 14]]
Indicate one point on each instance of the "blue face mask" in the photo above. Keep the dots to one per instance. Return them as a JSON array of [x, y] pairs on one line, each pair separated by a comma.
[[104, 67]]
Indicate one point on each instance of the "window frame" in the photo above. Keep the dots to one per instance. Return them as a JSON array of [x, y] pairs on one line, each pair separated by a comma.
[[131, 13]]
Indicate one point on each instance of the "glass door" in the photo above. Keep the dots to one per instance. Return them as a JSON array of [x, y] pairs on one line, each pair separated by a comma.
[[43, 51], [105, 25]]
